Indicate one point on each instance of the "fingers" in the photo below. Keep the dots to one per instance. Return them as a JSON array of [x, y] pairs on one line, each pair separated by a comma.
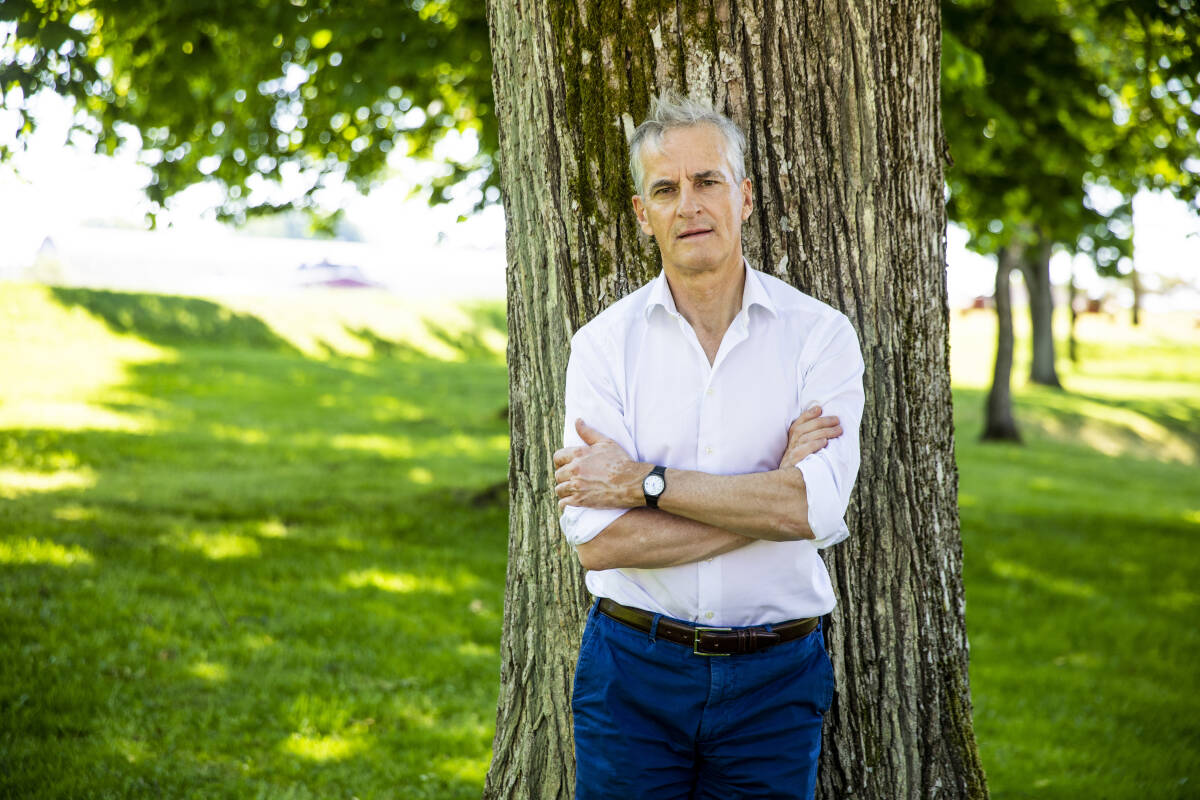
[[589, 434], [826, 433], [566, 454], [813, 441], [565, 490], [803, 444], [803, 425]]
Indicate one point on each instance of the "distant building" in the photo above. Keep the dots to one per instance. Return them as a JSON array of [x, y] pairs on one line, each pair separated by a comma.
[[327, 275]]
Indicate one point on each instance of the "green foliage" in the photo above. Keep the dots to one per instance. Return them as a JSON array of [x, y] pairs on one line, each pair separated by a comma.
[[1044, 98], [240, 93], [1041, 98]]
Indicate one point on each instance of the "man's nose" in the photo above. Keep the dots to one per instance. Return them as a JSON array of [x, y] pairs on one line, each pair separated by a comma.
[[689, 201]]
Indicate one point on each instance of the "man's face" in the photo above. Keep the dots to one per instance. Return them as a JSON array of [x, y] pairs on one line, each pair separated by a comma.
[[692, 206]]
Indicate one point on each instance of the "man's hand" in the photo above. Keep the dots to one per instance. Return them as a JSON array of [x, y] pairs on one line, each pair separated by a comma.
[[808, 434], [598, 474]]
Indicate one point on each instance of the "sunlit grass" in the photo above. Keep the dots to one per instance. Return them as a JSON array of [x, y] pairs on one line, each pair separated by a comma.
[[35, 551], [237, 557], [37, 390], [16, 482]]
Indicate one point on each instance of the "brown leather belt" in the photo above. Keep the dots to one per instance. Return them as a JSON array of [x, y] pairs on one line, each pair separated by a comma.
[[709, 641]]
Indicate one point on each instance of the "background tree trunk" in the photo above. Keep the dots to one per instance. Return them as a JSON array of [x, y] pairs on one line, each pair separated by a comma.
[[840, 104], [1072, 298], [999, 423], [1035, 267]]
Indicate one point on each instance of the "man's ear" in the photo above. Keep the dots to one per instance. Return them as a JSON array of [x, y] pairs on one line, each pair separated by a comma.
[[747, 199], [639, 210]]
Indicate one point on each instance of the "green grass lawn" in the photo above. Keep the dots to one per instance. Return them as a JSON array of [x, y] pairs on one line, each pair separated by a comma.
[[1082, 566], [238, 564], [256, 549]]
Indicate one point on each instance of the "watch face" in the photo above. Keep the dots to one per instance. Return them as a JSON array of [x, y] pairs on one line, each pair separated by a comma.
[[653, 485]]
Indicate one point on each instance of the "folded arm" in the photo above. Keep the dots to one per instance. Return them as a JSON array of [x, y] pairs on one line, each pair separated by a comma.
[[700, 516], [646, 538], [762, 505]]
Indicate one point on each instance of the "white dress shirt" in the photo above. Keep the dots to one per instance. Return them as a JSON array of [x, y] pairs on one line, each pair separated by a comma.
[[638, 374]]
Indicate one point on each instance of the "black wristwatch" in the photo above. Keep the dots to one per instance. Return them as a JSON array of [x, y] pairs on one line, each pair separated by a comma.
[[653, 485]]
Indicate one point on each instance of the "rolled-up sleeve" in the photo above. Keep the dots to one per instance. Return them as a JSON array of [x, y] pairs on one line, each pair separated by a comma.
[[591, 395], [832, 378]]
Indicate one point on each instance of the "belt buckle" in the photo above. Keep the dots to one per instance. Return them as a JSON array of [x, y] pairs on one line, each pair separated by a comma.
[[696, 641]]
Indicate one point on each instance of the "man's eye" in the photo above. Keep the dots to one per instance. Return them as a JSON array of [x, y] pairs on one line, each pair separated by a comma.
[[665, 190]]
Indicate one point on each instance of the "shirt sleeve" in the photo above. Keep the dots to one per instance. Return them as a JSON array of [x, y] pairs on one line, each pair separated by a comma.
[[833, 380], [591, 395]]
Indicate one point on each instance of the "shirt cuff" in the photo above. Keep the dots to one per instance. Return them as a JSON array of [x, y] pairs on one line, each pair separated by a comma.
[[581, 525], [825, 509]]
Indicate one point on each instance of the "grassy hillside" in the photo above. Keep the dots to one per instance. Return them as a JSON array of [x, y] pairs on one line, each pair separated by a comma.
[[256, 548]]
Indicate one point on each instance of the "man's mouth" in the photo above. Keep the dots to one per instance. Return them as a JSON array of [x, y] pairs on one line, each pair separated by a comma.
[[691, 234]]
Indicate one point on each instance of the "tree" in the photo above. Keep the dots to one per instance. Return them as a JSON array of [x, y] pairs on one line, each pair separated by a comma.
[[999, 423], [1147, 54], [1042, 100], [1019, 110], [246, 93], [840, 102]]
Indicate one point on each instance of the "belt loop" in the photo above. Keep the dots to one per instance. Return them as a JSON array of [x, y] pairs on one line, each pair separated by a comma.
[[654, 627]]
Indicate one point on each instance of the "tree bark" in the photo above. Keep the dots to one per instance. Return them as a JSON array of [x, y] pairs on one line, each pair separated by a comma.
[[999, 423], [1036, 271], [1072, 297], [839, 101]]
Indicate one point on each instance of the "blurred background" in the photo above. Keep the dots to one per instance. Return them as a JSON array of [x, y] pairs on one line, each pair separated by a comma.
[[253, 398]]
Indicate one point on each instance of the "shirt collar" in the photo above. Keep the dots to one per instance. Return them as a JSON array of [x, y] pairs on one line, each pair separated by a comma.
[[753, 293]]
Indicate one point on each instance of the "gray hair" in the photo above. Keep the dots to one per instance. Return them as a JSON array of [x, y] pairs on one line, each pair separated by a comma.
[[669, 111]]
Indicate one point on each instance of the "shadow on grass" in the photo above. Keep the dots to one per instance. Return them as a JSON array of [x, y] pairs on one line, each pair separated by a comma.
[[169, 320], [291, 585], [1147, 428], [474, 342]]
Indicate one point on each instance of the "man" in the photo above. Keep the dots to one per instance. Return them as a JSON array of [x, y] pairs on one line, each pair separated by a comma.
[[697, 483]]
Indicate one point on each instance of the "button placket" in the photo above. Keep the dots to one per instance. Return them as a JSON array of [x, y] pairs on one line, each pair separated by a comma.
[[708, 588]]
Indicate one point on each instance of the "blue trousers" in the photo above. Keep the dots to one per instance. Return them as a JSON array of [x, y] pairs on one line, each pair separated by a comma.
[[654, 720]]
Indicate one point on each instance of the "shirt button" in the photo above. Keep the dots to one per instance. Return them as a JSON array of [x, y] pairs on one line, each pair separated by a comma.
[[709, 392], [708, 615], [708, 451]]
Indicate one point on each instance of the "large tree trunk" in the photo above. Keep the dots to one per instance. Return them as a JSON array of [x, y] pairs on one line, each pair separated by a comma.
[[999, 423], [1035, 267], [840, 104]]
